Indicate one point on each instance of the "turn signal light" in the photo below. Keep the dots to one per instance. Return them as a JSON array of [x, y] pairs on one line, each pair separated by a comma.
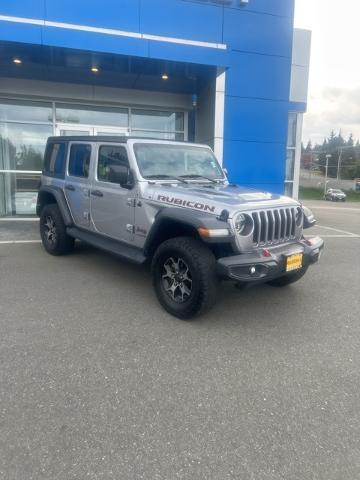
[[215, 232]]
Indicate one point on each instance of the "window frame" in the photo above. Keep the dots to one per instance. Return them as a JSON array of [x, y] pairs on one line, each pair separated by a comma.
[[68, 174], [48, 173], [100, 145]]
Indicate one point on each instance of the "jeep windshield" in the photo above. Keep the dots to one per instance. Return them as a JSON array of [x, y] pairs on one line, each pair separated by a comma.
[[166, 161]]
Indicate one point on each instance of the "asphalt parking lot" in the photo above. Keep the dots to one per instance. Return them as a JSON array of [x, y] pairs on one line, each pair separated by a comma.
[[98, 382]]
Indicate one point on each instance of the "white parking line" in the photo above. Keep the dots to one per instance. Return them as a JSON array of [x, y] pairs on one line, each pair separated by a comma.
[[343, 209], [340, 236], [14, 242], [347, 234], [12, 219]]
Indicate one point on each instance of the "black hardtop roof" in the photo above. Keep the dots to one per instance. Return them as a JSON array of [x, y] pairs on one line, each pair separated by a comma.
[[103, 138]]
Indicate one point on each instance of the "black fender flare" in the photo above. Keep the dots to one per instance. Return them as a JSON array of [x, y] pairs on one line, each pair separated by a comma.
[[60, 199], [187, 218]]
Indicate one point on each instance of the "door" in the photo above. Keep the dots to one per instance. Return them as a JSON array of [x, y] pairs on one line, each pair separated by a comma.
[[77, 186], [112, 206]]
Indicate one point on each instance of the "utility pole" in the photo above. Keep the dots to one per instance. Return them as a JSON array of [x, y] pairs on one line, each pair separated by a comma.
[[326, 171]]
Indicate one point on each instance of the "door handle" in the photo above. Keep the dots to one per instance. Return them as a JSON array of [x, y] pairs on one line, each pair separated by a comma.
[[97, 193], [70, 187]]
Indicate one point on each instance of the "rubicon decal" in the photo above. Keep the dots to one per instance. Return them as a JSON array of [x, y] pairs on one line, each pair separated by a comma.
[[186, 203]]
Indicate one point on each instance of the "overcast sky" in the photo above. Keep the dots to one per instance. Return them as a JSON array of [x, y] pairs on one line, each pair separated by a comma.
[[334, 90]]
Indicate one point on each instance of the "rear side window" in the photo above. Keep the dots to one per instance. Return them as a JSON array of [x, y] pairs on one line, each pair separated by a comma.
[[79, 161], [54, 163], [110, 158]]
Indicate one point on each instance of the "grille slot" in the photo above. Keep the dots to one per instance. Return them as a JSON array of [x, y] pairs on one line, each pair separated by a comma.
[[274, 226]]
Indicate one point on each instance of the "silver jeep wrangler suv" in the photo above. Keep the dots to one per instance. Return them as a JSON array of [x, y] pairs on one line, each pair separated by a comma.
[[171, 204]]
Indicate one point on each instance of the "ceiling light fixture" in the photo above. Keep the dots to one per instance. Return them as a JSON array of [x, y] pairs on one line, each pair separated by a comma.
[[165, 76], [94, 69], [18, 61]]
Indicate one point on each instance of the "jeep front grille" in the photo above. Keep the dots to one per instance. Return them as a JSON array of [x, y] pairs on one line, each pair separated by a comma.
[[274, 226]]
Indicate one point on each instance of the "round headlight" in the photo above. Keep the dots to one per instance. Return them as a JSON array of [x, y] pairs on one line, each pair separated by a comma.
[[239, 222]]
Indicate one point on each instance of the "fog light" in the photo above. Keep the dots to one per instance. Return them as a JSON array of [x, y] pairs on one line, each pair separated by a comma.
[[252, 270]]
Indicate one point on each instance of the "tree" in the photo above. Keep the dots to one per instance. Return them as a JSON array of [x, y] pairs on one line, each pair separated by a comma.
[[308, 148]]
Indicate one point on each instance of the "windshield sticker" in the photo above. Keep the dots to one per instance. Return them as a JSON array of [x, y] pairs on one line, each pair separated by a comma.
[[186, 203]]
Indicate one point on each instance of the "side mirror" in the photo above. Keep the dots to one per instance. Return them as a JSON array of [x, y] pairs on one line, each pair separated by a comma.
[[309, 219], [122, 175]]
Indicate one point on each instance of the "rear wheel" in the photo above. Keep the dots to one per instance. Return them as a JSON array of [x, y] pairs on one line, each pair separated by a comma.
[[53, 231], [184, 279], [288, 279]]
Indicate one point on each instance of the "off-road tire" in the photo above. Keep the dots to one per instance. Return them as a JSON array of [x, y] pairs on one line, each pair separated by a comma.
[[288, 279], [61, 243], [201, 265]]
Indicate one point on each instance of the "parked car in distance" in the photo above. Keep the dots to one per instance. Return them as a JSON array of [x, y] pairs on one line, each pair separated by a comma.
[[170, 204], [335, 195]]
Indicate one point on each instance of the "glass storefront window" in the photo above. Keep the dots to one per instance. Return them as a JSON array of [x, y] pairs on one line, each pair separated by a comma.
[[291, 153], [26, 125], [291, 139], [89, 115], [18, 193], [156, 120], [290, 164], [21, 148], [21, 111], [22, 145], [289, 189]]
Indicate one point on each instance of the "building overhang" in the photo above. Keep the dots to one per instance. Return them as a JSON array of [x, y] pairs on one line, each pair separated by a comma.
[[47, 63]]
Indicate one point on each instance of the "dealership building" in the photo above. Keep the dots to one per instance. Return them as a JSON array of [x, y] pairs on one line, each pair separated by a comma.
[[229, 73]]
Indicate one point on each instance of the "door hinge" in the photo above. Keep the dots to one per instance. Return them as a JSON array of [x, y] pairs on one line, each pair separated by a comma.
[[131, 202], [130, 228]]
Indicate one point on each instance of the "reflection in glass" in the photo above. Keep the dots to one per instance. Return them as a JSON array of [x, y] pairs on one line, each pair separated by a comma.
[[289, 189], [22, 145], [87, 115], [156, 160], [291, 140], [18, 193], [290, 163], [155, 120], [25, 111], [21, 148]]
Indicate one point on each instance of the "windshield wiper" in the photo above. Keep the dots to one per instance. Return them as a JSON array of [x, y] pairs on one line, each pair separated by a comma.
[[200, 176], [165, 177]]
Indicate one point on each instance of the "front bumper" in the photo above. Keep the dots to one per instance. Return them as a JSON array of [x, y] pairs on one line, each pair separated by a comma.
[[266, 264]]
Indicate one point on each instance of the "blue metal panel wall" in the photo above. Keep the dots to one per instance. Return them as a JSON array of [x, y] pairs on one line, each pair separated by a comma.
[[258, 57], [257, 92], [170, 18]]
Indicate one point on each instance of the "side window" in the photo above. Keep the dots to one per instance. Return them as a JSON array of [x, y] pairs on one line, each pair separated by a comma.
[[111, 159], [79, 161], [54, 163]]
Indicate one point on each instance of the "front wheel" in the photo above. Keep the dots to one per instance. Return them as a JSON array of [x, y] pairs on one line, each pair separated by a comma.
[[288, 279], [53, 231], [184, 278]]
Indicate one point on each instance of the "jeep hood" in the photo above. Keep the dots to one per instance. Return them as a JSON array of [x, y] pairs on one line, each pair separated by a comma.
[[213, 198]]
